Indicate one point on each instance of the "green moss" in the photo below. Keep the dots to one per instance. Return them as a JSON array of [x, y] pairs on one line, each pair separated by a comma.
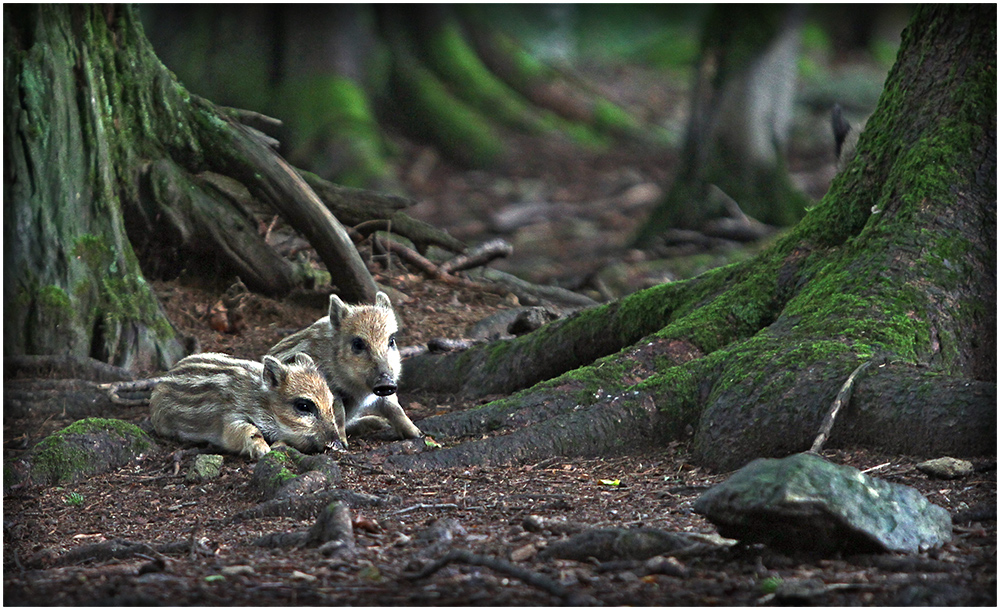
[[434, 113], [276, 468], [53, 301], [56, 460], [94, 252], [470, 80], [611, 117], [333, 112]]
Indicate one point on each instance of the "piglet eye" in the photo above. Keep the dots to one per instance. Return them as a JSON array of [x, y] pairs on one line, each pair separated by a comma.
[[358, 345], [392, 342], [304, 406]]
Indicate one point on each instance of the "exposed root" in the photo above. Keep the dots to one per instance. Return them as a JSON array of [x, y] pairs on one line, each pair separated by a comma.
[[504, 567]]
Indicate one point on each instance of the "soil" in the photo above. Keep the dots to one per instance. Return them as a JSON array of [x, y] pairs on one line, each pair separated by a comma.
[[199, 553]]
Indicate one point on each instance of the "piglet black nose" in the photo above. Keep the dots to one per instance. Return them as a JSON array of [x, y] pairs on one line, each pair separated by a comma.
[[384, 387]]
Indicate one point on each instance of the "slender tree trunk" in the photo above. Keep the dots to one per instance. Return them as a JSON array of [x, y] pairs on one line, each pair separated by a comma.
[[897, 262], [326, 55], [741, 112]]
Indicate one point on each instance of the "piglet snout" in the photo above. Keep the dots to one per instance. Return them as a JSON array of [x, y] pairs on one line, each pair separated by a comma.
[[385, 386]]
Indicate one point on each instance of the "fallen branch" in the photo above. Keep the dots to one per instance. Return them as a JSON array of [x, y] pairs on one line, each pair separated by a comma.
[[504, 567], [479, 256], [237, 151], [305, 507], [108, 550], [423, 506], [355, 206], [410, 256]]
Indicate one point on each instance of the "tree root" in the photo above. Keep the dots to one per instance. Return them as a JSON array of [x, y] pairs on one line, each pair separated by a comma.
[[234, 150], [333, 531], [109, 550], [504, 567], [307, 506], [62, 367], [356, 206]]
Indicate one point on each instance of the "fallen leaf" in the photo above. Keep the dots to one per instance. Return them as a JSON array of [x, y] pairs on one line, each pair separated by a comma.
[[611, 482]]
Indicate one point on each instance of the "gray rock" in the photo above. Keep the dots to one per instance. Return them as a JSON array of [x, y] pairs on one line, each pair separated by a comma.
[[804, 502], [206, 466], [946, 468], [530, 320], [442, 530]]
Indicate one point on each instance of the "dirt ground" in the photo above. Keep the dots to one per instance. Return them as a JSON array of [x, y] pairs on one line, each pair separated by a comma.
[[200, 553]]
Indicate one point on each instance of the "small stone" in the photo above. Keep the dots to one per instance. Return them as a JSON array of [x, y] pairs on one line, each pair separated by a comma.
[[237, 571], [442, 530], [946, 468], [296, 575], [401, 540], [665, 565], [206, 466], [523, 553]]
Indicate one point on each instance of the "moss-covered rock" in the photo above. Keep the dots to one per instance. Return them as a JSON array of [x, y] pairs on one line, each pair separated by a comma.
[[82, 449], [807, 503]]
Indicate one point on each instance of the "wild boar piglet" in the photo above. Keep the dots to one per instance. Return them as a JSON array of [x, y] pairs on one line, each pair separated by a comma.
[[246, 407], [355, 348]]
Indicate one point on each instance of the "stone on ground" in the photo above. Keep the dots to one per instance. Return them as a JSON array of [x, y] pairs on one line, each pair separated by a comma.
[[804, 502]]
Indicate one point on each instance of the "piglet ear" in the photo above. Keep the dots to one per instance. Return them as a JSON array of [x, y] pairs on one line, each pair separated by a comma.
[[338, 310], [274, 372], [304, 360], [382, 300]]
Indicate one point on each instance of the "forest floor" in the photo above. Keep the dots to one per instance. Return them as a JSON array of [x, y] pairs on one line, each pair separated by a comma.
[[572, 235]]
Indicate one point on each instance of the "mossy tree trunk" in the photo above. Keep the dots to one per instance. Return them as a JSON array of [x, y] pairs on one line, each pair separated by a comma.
[[897, 263], [104, 147], [741, 111], [335, 74]]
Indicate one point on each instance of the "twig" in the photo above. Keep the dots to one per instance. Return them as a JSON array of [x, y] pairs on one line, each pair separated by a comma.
[[244, 116], [504, 567], [409, 255], [194, 541], [422, 505], [478, 256], [843, 397], [873, 468], [371, 226]]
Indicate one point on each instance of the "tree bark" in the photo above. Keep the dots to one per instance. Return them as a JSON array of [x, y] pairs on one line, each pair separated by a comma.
[[898, 261], [72, 283]]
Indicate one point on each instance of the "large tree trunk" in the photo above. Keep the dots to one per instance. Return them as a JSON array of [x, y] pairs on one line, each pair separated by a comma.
[[72, 284], [100, 138], [741, 112], [898, 262]]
